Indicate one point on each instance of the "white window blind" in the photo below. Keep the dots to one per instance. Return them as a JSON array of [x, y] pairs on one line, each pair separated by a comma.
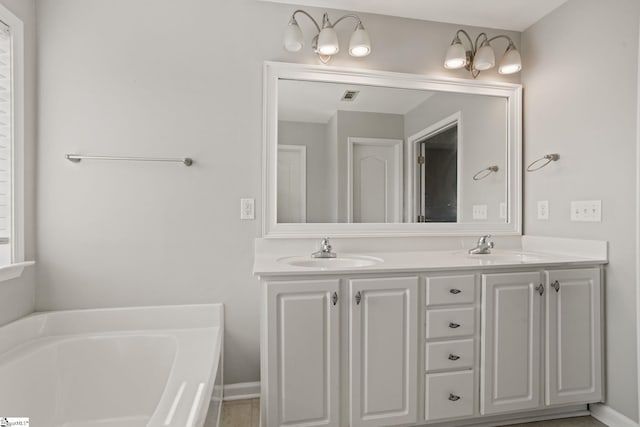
[[6, 134]]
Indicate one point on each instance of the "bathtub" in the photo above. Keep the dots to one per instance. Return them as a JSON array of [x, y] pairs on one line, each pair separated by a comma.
[[121, 367]]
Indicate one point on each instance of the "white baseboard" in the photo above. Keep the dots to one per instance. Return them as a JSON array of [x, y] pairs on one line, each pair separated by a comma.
[[241, 391], [609, 416]]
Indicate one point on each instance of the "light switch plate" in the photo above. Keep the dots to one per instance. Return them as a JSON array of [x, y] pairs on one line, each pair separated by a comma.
[[586, 210], [247, 209], [479, 211], [543, 209]]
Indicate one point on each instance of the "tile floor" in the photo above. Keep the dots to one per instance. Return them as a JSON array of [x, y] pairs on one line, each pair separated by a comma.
[[246, 413]]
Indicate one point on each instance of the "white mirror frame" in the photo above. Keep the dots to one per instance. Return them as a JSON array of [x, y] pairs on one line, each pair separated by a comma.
[[275, 71]]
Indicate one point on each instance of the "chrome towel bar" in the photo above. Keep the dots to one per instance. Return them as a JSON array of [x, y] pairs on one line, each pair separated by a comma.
[[537, 164], [187, 161], [485, 173]]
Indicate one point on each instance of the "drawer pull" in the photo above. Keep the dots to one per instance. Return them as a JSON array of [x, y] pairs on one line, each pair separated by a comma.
[[358, 298], [453, 325], [335, 298], [540, 289], [455, 291], [453, 397], [556, 286], [454, 357]]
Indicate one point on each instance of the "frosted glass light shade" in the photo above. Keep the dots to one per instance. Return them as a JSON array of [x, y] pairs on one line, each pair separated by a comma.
[[293, 39], [510, 62], [456, 56], [484, 59], [328, 42], [360, 43]]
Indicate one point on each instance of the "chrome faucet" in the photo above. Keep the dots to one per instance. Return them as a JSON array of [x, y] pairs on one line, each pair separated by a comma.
[[325, 250], [483, 247]]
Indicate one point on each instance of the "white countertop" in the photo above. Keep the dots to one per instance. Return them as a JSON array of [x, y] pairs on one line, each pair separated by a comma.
[[276, 263], [405, 262]]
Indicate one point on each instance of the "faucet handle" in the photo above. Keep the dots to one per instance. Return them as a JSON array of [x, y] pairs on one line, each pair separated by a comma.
[[325, 245], [483, 239]]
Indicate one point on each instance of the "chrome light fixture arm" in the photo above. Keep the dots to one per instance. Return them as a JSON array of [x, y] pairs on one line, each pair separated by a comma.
[[325, 42], [479, 56]]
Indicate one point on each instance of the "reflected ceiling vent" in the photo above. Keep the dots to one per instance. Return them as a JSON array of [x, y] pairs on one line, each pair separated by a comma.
[[350, 95]]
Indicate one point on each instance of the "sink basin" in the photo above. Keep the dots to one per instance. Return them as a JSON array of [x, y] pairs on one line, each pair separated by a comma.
[[350, 261], [502, 257]]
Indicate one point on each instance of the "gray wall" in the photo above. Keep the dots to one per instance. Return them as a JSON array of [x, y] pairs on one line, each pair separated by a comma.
[[17, 297], [320, 197], [166, 77], [580, 101], [484, 143]]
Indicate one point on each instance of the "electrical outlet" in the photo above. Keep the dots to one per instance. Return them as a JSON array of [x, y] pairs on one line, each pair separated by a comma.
[[247, 209], [479, 211], [503, 210], [586, 211], [543, 209]]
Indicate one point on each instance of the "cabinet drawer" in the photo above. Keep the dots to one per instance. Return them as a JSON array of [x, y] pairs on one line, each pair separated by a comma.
[[449, 395], [449, 355], [450, 322], [451, 290]]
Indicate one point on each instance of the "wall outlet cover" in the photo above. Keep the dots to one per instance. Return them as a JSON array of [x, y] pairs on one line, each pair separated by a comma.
[[543, 209], [479, 211], [586, 210], [247, 209]]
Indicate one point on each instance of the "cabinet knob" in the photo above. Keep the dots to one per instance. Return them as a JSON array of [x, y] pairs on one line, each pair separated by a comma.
[[334, 298], [453, 325], [556, 286], [453, 397], [358, 298], [455, 291], [454, 357], [540, 288]]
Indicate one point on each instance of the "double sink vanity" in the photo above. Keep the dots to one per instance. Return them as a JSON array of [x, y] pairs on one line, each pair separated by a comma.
[[412, 338], [410, 319]]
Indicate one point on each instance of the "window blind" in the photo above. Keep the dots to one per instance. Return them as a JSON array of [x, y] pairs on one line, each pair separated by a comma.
[[6, 133]]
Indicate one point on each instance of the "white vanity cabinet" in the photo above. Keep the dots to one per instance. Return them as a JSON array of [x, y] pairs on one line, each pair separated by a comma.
[[533, 324], [376, 349], [383, 356], [303, 333], [303, 353]]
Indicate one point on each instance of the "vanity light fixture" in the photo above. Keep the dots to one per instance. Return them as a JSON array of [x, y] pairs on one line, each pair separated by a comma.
[[480, 55], [325, 43]]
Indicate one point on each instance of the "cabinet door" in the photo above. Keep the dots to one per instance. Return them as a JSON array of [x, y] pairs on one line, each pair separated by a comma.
[[573, 359], [383, 351], [511, 339], [303, 365]]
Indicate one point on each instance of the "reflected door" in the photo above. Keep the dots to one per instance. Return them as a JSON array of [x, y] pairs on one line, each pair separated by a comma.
[[438, 176], [374, 180], [292, 183]]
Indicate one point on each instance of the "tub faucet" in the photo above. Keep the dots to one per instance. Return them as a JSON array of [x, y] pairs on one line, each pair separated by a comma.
[[325, 250], [483, 246]]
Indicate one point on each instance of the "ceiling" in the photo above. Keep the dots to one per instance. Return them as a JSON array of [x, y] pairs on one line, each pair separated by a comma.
[[515, 15], [294, 97]]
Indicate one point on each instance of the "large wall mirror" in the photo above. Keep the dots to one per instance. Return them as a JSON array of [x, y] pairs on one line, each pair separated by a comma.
[[363, 153]]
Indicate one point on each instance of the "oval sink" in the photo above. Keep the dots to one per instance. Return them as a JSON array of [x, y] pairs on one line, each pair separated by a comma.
[[331, 263], [502, 257]]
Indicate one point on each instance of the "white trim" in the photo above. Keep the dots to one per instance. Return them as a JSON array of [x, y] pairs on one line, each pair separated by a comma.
[[241, 391], [13, 271], [394, 143], [302, 151], [610, 416], [273, 71], [638, 229], [17, 150], [411, 178]]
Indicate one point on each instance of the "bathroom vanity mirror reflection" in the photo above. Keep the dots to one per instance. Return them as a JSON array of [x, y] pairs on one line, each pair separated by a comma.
[[367, 152]]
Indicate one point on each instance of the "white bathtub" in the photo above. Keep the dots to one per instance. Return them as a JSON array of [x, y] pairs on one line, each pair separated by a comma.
[[147, 366]]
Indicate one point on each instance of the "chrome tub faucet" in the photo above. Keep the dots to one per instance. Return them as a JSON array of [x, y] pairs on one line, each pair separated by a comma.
[[484, 246], [325, 250]]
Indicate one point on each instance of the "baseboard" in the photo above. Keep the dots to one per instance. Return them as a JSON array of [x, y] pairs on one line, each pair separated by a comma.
[[609, 416], [241, 391]]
